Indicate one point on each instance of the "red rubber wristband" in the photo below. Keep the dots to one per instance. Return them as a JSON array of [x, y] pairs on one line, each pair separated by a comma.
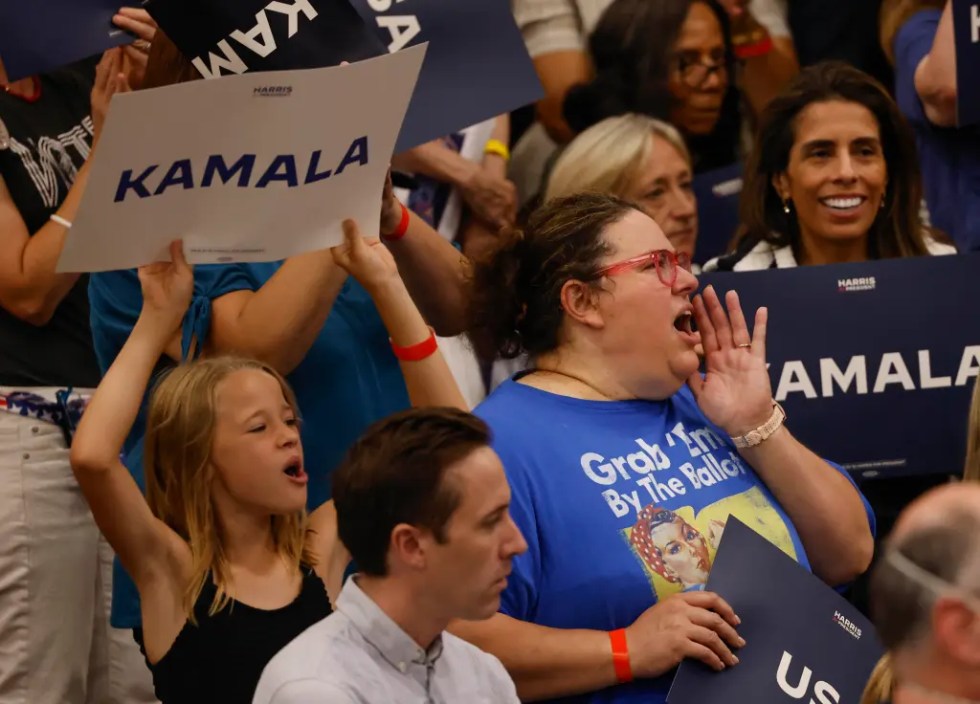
[[417, 352], [621, 656], [751, 51], [402, 226]]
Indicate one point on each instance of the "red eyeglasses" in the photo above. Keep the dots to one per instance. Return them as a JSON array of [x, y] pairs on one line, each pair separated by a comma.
[[666, 262]]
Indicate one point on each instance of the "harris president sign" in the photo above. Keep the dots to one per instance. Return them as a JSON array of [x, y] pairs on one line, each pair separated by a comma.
[[873, 362], [803, 641], [253, 168], [476, 66]]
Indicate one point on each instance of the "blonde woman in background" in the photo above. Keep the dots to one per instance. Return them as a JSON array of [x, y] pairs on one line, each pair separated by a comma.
[[639, 159]]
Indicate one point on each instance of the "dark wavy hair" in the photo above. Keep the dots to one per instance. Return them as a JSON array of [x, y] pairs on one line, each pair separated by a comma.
[[632, 51], [515, 302], [897, 230]]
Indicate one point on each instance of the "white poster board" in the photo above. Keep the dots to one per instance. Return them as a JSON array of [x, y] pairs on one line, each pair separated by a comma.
[[248, 168]]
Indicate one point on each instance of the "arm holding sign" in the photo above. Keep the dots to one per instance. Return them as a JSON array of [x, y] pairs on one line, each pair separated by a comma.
[[935, 77], [29, 286], [278, 323], [434, 271], [735, 394], [427, 378], [555, 662]]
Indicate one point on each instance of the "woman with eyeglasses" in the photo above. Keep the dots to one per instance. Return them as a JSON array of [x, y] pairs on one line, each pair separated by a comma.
[[612, 418], [672, 60]]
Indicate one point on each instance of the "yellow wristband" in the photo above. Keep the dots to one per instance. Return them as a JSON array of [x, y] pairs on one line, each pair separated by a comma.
[[495, 146]]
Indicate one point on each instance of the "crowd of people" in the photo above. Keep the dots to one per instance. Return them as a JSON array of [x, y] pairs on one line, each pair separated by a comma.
[[485, 449]]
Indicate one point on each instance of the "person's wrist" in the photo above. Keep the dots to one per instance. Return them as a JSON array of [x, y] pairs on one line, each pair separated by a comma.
[[619, 645], [156, 325], [397, 226], [386, 288]]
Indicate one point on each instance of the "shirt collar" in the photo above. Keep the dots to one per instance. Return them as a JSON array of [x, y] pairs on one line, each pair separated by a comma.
[[378, 629]]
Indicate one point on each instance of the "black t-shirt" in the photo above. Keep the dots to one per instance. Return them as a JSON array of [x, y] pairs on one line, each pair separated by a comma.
[[49, 141]]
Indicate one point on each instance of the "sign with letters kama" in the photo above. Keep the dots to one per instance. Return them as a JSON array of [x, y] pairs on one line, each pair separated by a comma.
[[254, 168], [966, 30], [476, 66], [40, 35], [873, 362], [803, 641]]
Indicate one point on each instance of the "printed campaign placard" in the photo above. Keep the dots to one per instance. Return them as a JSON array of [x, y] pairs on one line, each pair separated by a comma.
[[717, 193], [254, 168], [37, 36], [873, 362], [966, 30], [476, 67], [803, 641]]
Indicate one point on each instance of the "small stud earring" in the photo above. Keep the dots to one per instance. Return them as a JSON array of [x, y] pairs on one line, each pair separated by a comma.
[[786, 207]]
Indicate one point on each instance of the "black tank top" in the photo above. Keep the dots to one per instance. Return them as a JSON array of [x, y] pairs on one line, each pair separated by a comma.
[[222, 658]]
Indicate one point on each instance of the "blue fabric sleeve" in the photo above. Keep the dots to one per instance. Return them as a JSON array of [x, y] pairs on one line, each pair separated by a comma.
[[912, 43], [872, 521], [520, 598], [210, 282]]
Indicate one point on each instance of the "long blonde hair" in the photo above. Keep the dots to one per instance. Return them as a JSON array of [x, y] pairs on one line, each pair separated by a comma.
[[607, 157], [179, 474], [971, 468], [881, 683]]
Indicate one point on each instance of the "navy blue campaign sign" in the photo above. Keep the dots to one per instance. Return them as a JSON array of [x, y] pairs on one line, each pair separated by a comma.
[[966, 28], [37, 36], [476, 66], [874, 362], [803, 641], [717, 193]]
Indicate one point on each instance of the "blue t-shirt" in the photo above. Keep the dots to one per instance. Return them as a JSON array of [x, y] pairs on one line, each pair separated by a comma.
[[348, 379], [622, 503], [950, 157]]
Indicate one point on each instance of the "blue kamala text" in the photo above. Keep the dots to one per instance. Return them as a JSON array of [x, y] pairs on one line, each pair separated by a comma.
[[284, 168]]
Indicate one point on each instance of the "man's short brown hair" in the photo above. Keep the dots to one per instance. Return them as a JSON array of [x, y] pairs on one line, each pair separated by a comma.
[[395, 474]]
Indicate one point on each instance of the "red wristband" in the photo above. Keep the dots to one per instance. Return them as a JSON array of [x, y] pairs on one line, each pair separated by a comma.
[[417, 352], [402, 226], [751, 51], [621, 656]]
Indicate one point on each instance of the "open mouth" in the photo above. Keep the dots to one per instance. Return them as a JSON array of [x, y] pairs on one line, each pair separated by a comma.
[[844, 203], [685, 323], [294, 470], [685, 326]]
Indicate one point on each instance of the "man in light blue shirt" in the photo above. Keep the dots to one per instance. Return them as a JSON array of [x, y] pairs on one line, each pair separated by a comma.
[[423, 506]]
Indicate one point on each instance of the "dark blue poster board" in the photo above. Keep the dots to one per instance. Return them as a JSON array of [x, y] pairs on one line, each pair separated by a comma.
[[476, 66], [874, 362], [717, 193], [37, 36], [803, 641], [966, 28]]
